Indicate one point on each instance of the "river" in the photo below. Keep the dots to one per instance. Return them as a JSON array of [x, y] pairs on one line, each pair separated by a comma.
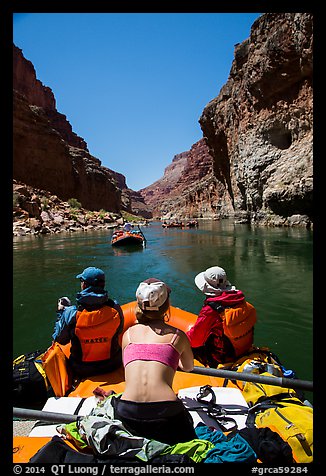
[[272, 266]]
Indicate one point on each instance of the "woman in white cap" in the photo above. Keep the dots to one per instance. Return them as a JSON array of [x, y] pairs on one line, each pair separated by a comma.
[[224, 328], [152, 352]]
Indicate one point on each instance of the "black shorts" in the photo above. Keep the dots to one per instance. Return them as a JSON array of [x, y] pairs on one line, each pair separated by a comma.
[[168, 422]]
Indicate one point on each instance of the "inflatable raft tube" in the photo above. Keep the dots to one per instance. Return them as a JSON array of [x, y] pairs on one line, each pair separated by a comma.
[[179, 318], [56, 357]]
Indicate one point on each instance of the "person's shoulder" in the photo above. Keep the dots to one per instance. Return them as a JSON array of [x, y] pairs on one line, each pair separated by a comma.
[[136, 330], [113, 303], [68, 314], [207, 304], [70, 309], [249, 304]]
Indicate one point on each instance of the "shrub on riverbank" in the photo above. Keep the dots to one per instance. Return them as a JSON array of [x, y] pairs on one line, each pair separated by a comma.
[[38, 212]]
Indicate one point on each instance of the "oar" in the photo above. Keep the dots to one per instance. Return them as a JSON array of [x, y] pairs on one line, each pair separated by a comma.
[[53, 417], [247, 377], [140, 231]]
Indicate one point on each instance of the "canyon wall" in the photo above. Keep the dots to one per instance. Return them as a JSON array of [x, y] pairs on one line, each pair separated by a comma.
[[48, 155], [188, 188], [254, 163], [258, 133]]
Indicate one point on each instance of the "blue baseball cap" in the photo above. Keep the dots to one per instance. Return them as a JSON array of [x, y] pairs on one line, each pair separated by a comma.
[[93, 276]]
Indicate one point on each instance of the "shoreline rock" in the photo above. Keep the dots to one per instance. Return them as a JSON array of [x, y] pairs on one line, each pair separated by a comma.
[[38, 212]]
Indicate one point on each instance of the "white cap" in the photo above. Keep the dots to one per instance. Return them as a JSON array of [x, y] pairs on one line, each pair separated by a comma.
[[213, 281], [151, 294]]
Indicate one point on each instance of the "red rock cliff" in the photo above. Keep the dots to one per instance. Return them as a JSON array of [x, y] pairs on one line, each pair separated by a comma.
[[188, 187], [259, 128], [48, 155], [258, 135]]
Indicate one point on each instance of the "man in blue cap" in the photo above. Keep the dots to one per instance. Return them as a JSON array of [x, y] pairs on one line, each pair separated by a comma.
[[93, 326]]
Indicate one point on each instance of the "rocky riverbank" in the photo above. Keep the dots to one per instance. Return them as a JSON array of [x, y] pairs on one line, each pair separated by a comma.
[[38, 212]]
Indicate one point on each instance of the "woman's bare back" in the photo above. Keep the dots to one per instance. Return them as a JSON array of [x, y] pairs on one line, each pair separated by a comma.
[[152, 380]]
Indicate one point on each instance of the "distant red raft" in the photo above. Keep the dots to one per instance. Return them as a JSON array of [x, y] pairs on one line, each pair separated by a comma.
[[122, 238]]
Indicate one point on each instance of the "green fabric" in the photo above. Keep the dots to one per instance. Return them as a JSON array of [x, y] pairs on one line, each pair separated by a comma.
[[110, 438], [72, 431], [150, 449], [196, 449]]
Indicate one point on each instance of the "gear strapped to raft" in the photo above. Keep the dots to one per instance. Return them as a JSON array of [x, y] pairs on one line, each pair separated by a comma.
[[30, 383], [213, 414]]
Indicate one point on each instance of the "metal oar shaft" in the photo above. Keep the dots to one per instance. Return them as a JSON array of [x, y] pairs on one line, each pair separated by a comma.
[[53, 417], [248, 377], [142, 234]]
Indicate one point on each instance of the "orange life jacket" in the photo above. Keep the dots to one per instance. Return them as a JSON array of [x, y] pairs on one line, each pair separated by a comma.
[[95, 330], [238, 326]]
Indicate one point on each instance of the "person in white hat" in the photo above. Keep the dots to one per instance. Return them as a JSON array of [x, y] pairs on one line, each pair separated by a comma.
[[224, 329], [152, 352]]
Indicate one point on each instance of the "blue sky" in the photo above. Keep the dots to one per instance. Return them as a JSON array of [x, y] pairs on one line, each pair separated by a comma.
[[133, 85]]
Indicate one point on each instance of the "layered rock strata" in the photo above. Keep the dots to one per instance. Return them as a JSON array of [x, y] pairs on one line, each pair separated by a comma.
[[188, 188], [254, 164], [49, 155], [258, 132], [260, 127]]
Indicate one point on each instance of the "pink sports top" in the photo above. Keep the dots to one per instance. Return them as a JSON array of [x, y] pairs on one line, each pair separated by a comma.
[[164, 353]]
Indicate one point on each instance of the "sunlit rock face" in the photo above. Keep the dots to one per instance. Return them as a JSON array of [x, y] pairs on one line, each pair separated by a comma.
[[188, 187], [255, 162], [259, 128]]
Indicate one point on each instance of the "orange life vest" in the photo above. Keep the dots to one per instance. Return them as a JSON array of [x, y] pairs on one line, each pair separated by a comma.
[[238, 326], [95, 330]]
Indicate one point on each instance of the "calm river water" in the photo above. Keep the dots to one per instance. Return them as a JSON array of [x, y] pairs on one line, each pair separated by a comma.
[[272, 266]]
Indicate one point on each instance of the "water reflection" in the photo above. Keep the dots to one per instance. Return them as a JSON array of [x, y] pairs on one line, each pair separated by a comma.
[[127, 249], [272, 266]]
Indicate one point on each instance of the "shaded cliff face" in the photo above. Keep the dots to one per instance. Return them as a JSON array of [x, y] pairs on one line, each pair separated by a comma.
[[259, 128], [49, 155], [258, 135]]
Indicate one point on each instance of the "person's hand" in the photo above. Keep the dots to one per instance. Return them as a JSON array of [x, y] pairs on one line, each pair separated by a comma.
[[63, 302]]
